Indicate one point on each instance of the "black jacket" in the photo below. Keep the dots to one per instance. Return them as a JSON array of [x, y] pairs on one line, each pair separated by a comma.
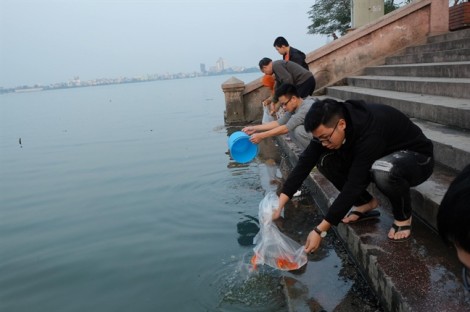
[[297, 56], [372, 132]]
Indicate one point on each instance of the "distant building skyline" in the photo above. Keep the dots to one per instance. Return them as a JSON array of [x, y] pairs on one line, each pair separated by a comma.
[[220, 67]]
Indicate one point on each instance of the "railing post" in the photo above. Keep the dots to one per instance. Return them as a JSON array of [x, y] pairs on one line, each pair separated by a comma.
[[439, 17], [234, 106]]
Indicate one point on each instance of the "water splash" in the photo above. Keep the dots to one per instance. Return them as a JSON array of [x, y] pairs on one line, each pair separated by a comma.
[[246, 289]]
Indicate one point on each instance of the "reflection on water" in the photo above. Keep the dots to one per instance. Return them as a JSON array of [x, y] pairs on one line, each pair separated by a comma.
[[247, 230]]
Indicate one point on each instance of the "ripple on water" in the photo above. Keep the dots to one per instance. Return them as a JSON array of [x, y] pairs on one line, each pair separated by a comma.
[[240, 288]]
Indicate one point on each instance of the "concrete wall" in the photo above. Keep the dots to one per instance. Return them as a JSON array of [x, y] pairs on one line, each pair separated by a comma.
[[253, 95]]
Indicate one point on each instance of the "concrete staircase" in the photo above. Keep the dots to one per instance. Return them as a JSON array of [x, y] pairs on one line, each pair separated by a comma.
[[431, 84]]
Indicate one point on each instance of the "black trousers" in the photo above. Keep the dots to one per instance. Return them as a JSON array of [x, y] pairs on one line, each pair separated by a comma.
[[305, 89], [393, 175]]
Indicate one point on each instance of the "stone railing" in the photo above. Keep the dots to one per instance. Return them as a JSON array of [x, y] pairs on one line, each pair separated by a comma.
[[365, 46], [243, 102]]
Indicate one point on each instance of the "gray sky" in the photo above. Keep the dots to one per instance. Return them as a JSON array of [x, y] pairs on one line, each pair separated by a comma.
[[48, 41]]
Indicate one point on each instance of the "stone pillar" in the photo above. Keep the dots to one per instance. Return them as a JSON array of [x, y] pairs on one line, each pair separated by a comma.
[[439, 17], [234, 106]]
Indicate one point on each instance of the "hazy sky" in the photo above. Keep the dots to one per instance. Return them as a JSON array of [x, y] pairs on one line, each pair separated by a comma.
[[47, 41]]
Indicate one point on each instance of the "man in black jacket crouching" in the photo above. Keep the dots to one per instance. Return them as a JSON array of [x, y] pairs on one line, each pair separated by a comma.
[[356, 143]]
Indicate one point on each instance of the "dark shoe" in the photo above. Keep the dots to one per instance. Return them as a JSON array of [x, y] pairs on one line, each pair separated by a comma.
[[402, 228], [369, 215]]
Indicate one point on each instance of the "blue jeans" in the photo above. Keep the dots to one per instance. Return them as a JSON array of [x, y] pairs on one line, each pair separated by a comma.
[[393, 175]]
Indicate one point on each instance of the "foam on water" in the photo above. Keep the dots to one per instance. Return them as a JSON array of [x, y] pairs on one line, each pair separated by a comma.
[[247, 289]]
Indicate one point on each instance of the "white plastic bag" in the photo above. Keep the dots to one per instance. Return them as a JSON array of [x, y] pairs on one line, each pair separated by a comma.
[[267, 174], [272, 246], [266, 115]]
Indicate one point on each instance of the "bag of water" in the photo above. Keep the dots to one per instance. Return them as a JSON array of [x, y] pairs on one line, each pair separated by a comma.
[[274, 248]]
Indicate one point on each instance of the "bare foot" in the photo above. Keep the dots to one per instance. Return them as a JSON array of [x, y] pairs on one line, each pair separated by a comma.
[[363, 208], [400, 235]]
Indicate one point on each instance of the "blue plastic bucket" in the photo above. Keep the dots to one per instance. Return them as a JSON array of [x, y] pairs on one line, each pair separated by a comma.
[[241, 149]]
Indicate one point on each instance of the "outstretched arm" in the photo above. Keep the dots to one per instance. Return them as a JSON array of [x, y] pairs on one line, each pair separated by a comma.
[[263, 127], [258, 137]]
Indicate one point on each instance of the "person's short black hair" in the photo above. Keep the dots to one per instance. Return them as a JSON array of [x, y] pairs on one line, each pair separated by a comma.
[[280, 41], [324, 112], [453, 218], [286, 89], [264, 61]]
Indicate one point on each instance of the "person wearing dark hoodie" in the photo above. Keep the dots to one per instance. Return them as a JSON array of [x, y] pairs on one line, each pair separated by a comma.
[[356, 143], [289, 53]]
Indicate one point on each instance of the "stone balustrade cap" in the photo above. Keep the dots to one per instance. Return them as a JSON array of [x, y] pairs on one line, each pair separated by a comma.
[[233, 83]]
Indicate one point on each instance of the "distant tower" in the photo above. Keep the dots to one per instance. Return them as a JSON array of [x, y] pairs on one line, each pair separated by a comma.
[[203, 67], [75, 81], [220, 64]]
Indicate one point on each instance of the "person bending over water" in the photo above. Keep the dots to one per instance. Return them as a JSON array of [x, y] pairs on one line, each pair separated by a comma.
[[356, 143]]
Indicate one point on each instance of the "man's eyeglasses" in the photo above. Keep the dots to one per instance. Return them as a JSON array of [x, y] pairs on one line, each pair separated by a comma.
[[327, 139], [285, 104], [466, 278]]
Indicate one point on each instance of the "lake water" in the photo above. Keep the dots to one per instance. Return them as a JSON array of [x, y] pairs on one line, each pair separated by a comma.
[[122, 198]]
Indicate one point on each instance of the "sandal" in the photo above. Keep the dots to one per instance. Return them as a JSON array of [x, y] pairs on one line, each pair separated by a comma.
[[363, 216], [399, 228]]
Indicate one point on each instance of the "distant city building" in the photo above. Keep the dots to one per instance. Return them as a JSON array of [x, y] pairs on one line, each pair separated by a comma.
[[220, 64], [212, 69], [75, 82], [203, 67]]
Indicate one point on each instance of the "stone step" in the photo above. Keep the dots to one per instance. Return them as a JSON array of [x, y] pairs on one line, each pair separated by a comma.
[[451, 146], [444, 110], [454, 35], [442, 70], [448, 46], [426, 197], [452, 87], [421, 274], [460, 55]]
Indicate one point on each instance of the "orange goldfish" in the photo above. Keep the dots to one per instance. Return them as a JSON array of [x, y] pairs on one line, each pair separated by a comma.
[[285, 264]]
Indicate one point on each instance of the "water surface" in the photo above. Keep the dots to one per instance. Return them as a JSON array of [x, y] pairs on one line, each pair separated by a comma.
[[122, 198]]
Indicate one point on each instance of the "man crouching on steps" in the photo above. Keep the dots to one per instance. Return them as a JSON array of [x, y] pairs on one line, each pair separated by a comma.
[[291, 122], [354, 144]]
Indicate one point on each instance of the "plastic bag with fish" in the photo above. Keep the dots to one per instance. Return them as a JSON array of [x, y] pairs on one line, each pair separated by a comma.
[[274, 248]]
